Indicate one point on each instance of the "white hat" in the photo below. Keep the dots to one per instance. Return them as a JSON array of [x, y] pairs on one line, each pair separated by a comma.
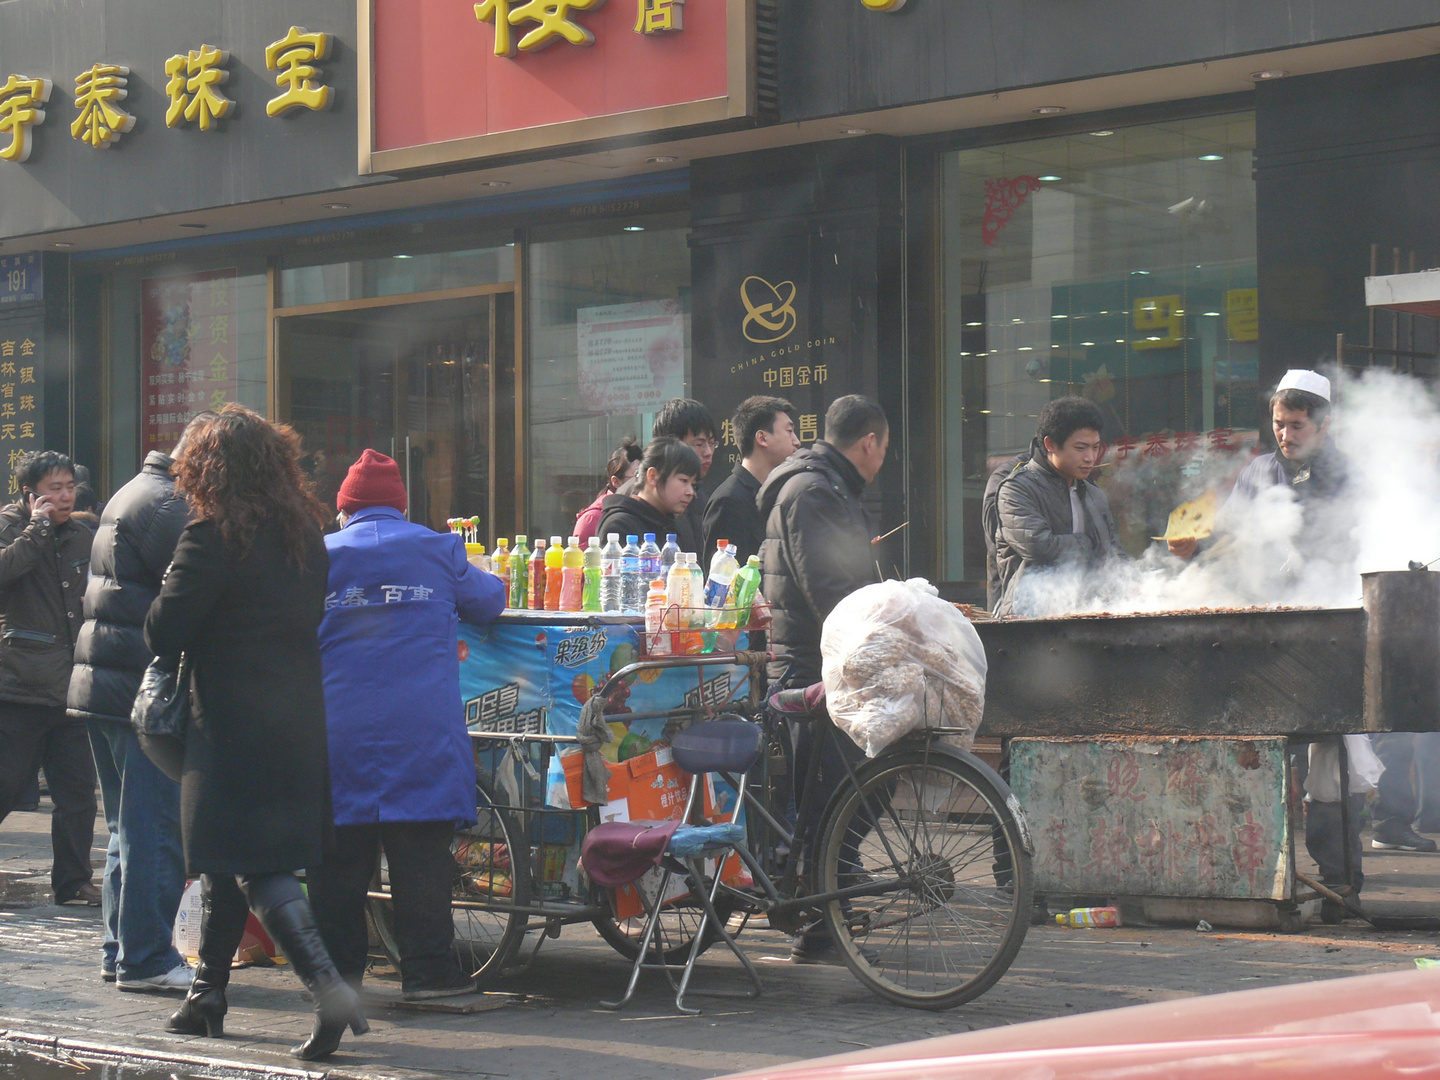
[[1312, 382]]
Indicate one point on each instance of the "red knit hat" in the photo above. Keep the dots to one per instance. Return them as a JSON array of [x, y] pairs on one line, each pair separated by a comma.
[[374, 480]]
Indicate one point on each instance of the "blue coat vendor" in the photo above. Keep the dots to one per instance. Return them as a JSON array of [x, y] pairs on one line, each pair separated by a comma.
[[402, 772]]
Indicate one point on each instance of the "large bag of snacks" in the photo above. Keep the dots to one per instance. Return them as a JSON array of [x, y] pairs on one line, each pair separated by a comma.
[[897, 658]]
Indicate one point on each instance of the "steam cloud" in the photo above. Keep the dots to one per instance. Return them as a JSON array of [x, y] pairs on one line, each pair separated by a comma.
[[1273, 551]]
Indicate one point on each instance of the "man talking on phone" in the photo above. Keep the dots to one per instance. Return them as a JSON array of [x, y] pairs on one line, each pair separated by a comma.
[[44, 557]]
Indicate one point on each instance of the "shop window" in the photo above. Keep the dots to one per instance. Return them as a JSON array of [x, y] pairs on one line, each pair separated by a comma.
[[1118, 265], [609, 321], [396, 275]]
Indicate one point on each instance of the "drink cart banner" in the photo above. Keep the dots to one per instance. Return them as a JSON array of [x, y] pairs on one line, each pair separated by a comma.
[[533, 677]]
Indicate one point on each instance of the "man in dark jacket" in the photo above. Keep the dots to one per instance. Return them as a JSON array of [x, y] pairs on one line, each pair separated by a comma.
[[44, 557], [689, 421], [765, 432], [144, 866], [1050, 513], [402, 770], [817, 551]]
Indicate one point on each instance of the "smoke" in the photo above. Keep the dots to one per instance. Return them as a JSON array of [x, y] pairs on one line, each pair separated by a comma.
[[1277, 549]]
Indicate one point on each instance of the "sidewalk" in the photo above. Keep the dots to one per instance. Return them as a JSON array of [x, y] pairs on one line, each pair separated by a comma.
[[545, 1022]]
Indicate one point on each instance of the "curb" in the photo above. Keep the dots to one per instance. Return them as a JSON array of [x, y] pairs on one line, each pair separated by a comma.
[[59, 1049]]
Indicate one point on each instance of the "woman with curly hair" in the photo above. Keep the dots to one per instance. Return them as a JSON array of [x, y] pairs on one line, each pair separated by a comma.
[[243, 600]]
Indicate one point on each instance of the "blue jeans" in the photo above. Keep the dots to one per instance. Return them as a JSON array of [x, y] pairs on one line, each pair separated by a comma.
[[144, 865]]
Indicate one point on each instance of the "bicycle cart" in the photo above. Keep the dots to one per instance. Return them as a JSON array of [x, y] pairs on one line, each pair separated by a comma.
[[917, 862]]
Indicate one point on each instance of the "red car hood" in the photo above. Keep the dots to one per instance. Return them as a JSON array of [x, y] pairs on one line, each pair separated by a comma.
[[1370, 1026]]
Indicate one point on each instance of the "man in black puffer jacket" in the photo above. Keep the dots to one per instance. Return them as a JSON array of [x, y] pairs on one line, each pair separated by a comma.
[[818, 551], [144, 868]]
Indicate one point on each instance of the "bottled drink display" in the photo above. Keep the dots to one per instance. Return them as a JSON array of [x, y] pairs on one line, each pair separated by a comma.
[[501, 562], [535, 595], [611, 601], [572, 576], [677, 601], [742, 595], [650, 561], [722, 571], [519, 572], [632, 585], [590, 599], [695, 614], [554, 564], [668, 555]]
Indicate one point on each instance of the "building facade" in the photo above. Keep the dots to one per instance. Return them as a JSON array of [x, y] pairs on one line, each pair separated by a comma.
[[491, 242]]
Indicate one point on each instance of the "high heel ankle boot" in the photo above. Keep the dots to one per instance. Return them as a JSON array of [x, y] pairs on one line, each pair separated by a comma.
[[286, 915], [221, 928]]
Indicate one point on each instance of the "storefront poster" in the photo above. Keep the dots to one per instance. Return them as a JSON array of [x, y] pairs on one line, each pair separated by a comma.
[[187, 352], [632, 356], [22, 391], [534, 677]]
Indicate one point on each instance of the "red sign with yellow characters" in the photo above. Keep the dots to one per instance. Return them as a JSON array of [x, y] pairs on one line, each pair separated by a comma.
[[454, 81]]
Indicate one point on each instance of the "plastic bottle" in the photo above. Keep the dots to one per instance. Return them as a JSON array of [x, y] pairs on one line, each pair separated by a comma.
[[611, 601], [476, 557], [554, 564], [677, 601], [722, 572], [742, 595], [500, 564], [590, 601], [632, 585], [1092, 917], [668, 554], [698, 616], [650, 561], [535, 597], [572, 576], [657, 639], [520, 573]]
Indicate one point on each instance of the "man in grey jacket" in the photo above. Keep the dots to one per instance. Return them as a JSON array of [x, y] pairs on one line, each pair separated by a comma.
[[1050, 513]]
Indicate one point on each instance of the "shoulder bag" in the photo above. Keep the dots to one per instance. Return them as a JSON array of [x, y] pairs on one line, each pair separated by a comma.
[[161, 714]]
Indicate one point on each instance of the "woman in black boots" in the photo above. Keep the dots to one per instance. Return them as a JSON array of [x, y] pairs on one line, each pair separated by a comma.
[[243, 600]]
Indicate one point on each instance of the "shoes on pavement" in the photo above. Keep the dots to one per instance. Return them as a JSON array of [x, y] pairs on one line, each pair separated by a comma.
[[1389, 837], [107, 974], [174, 981], [86, 895], [458, 988]]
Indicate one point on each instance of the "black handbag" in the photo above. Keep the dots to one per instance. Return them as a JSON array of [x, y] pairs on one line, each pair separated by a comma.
[[161, 714]]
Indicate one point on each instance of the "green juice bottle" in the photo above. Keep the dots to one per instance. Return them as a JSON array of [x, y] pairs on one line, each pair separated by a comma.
[[591, 601], [519, 572]]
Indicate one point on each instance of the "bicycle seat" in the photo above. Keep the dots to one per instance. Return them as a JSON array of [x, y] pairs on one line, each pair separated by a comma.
[[804, 700]]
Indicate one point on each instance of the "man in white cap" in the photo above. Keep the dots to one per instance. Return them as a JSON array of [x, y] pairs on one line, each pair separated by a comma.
[[1303, 457]]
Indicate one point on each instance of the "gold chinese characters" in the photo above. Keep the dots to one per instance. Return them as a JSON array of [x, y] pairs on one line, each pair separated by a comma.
[[655, 16], [101, 121], [551, 18], [192, 89], [294, 56], [20, 101]]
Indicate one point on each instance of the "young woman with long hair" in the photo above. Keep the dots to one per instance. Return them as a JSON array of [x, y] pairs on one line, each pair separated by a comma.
[[243, 600]]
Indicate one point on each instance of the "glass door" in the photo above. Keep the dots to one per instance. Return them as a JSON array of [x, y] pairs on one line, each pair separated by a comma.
[[431, 383]]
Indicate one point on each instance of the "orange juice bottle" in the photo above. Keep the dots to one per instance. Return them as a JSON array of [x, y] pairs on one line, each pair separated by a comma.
[[554, 556]]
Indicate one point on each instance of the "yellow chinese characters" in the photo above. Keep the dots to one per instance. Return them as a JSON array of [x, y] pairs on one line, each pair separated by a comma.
[[20, 101], [192, 88], [295, 57], [101, 121], [552, 19], [653, 16], [883, 5]]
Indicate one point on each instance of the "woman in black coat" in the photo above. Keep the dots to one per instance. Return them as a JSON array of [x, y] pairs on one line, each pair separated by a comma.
[[664, 489], [243, 600]]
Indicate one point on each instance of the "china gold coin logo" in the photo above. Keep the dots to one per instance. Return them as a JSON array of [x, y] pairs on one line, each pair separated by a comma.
[[769, 310]]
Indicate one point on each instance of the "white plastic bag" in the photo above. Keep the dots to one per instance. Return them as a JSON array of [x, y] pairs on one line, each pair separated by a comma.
[[897, 658], [1322, 781]]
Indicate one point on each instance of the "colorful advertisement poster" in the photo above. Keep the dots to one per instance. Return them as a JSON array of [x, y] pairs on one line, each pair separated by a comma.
[[187, 352], [22, 391], [632, 356], [527, 675]]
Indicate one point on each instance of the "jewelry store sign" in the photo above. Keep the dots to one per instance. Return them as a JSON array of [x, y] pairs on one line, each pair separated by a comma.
[[452, 82]]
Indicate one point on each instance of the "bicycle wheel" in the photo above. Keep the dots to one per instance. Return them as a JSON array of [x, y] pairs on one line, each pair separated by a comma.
[[492, 865], [939, 832], [680, 921]]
